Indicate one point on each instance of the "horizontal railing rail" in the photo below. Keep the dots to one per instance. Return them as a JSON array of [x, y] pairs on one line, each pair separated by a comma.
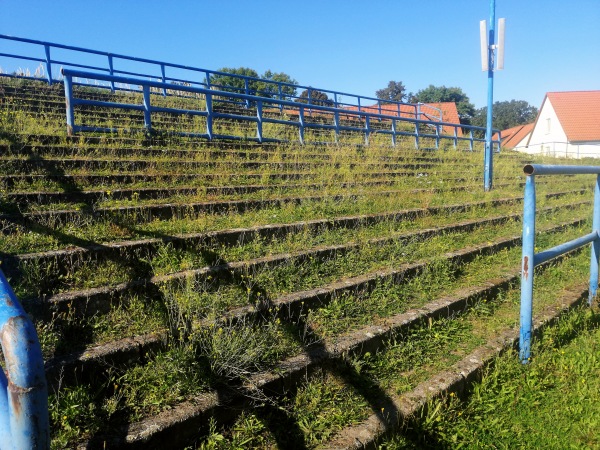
[[24, 422], [332, 117], [531, 259], [174, 74]]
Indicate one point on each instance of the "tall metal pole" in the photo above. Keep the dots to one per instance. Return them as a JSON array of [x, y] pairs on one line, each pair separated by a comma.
[[488, 161]]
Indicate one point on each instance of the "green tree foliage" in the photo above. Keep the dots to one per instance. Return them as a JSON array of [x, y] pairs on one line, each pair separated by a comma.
[[272, 90], [235, 84], [255, 86], [395, 91], [436, 94], [506, 114], [316, 98]]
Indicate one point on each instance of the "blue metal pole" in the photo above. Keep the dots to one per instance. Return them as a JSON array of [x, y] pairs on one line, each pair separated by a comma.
[[164, 78], [147, 110], [69, 105], [527, 269], [301, 120], [24, 422], [48, 64], [488, 161], [209, 113], [111, 71], [595, 244], [259, 121]]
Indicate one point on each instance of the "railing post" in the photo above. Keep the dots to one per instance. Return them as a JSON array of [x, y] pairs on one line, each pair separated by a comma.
[[164, 78], [455, 137], [24, 422], [69, 105], [437, 137], [416, 134], [595, 243], [393, 132], [301, 120], [111, 71], [367, 129], [48, 64], [259, 121], [471, 140], [209, 114], [147, 108], [336, 122], [527, 269], [246, 91]]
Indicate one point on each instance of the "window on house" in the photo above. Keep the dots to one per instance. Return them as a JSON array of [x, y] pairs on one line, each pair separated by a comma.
[[548, 125]]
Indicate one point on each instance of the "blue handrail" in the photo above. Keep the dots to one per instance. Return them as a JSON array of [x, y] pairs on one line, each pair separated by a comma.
[[206, 77], [530, 259], [290, 108], [24, 420]]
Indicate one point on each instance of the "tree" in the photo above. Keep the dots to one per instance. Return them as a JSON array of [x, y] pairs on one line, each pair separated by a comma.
[[235, 84], [438, 94], [395, 92], [506, 114], [255, 85], [272, 90], [316, 98]]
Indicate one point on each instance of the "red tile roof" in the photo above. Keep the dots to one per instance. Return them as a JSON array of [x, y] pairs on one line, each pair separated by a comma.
[[512, 136], [427, 112], [578, 113]]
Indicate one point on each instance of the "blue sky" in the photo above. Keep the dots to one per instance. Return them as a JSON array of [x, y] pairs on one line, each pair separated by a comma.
[[352, 46]]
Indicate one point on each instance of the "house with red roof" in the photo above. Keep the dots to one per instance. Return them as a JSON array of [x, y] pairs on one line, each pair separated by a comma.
[[568, 124], [435, 112], [515, 137]]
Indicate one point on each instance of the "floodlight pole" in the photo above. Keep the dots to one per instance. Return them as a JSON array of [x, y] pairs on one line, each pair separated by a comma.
[[488, 160]]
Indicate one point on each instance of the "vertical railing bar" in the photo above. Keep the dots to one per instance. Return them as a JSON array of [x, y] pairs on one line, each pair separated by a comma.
[[527, 269], [69, 105], [471, 140], [111, 72], [209, 113], [147, 108], [259, 121], [301, 127], [164, 79], [48, 64], [595, 253]]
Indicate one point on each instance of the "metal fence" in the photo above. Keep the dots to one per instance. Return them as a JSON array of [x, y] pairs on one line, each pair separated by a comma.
[[23, 392], [52, 56], [258, 111], [531, 259]]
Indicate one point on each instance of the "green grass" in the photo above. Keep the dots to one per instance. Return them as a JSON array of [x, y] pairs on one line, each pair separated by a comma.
[[551, 403], [200, 350]]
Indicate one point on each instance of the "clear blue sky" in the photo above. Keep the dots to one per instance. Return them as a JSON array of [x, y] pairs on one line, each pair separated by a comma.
[[353, 46]]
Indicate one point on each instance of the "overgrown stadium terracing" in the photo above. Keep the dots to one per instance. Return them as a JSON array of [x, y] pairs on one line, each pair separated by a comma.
[[181, 287]]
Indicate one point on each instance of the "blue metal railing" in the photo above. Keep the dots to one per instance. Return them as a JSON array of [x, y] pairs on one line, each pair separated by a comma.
[[530, 259], [196, 77], [268, 110], [23, 393]]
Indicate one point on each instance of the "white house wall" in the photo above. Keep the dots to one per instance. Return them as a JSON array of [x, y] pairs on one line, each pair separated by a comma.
[[548, 138]]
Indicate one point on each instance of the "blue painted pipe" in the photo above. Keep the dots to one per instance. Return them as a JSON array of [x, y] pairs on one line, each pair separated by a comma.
[[24, 422], [530, 259], [527, 266]]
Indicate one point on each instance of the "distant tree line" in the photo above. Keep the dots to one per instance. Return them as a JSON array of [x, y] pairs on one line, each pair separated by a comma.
[[506, 114], [262, 85]]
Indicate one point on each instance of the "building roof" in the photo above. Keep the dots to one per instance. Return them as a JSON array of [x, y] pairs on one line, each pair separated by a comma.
[[428, 111], [512, 136], [578, 113]]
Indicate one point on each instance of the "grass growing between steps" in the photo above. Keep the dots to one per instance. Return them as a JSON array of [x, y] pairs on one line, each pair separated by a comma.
[[551, 403], [347, 392]]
